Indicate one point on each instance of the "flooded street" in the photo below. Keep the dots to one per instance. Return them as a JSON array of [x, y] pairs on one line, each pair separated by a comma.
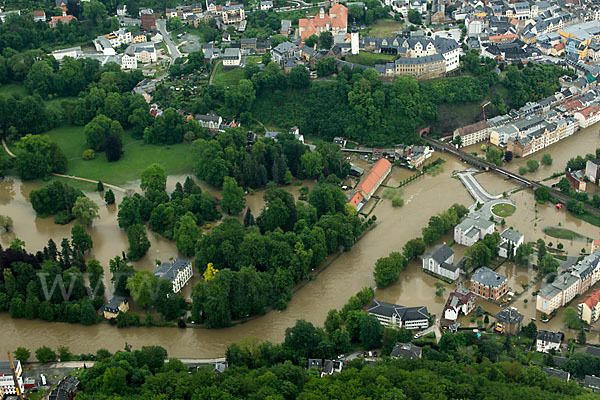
[[346, 275]]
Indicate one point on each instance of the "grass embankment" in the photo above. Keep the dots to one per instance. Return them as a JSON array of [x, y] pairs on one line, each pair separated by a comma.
[[232, 76], [384, 28], [370, 59], [137, 156], [562, 233], [503, 210]]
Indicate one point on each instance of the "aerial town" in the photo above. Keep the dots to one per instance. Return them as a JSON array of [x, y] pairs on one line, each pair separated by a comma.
[[294, 199]]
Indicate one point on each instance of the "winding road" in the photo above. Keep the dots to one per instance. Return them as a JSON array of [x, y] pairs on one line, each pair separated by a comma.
[[77, 178]]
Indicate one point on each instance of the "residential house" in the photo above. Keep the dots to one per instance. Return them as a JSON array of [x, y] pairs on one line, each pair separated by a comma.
[[592, 170], [72, 52], [232, 57], [587, 116], [122, 10], [439, 260], [119, 37], [179, 272], [577, 180], [39, 16], [473, 133], [266, 5], [7, 384], [370, 183], [233, 14], [548, 340], [102, 45], [399, 316], [145, 54], [592, 382], [139, 37], [5, 14], [283, 52], [499, 136], [334, 22], [472, 229], [331, 367], [286, 27], [210, 121], [589, 309], [407, 351], [115, 306], [510, 241], [508, 321], [488, 284], [129, 60], [459, 301]]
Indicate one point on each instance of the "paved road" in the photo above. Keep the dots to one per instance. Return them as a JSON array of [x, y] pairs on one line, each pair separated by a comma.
[[161, 24], [475, 189]]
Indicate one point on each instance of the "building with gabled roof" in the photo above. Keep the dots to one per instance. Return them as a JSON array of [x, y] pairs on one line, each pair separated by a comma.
[[488, 284], [407, 351], [440, 261], [179, 272], [548, 340], [370, 183], [589, 309], [508, 321], [334, 22]]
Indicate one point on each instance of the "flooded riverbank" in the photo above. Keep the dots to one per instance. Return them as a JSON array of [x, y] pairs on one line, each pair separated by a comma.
[[346, 275]]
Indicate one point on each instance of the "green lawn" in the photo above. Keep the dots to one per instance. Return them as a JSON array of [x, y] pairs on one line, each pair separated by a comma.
[[15, 89], [137, 156], [370, 59], [233, 76], [385, 28], [504, 210], [562, 233]]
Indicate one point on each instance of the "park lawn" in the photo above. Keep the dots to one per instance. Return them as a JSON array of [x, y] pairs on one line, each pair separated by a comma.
[[370, 59], [14, 89], [562, 233], [503, 210], [385, 28], [137, 156]]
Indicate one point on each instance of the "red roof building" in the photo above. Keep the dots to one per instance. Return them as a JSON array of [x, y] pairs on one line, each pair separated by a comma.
[[371, 183], [334, 22], [64, 19]]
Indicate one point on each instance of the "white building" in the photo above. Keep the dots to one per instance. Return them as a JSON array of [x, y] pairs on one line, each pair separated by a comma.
[[128, 61], [7, 384], [119, 37], [145, 54], [509, 240], [473, 133], [472, 229], [122, 10], [440, 261], [72, 52], [103, 45], [209, 121], [548, 340], [179, 272], [266, 5], [232, 57], [399, 316]]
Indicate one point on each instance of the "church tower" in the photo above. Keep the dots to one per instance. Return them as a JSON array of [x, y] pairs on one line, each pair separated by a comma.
[[355, 46]]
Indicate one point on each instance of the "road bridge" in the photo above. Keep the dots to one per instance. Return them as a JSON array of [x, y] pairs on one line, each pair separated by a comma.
[[488, 166]]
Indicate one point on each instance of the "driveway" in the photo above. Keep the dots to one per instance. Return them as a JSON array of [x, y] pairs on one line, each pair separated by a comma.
[[161, 24]]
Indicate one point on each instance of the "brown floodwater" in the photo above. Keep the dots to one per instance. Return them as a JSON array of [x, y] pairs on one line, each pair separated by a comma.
[[346, 274]]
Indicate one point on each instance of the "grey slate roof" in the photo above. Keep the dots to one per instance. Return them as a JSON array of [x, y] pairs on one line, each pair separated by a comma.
[[113, 305], [511, 235], [439, 253], [549, 336], [592, 382], [406, 350], [592, 350], [487, 277], [509, 316], [169, 271], [405, 313], [556, 373]]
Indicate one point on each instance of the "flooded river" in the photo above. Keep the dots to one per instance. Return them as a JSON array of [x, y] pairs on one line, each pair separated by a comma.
[[345, 276]]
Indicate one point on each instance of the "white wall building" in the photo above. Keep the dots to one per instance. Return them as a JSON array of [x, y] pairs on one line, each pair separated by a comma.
[[548, 340], [509, 240], [128, 61], [232, 57], [399, 316], [440, 261], [178, 272], [472, 229]]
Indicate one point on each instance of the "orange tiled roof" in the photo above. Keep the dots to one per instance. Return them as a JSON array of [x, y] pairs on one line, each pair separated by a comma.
[[378, 170], [586, 112], [356, 199], [593, 299], [337, 18], [65, 20]]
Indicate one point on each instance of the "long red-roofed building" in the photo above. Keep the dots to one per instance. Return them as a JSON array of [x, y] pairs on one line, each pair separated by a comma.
[[589, 309], [370, 183], [334, 22]]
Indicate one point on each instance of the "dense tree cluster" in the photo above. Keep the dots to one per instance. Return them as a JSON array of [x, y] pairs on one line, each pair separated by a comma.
[[268, 160], [57, 199], [177, 217], [38, 156], [261, 262], [50, 285], [21, 32]]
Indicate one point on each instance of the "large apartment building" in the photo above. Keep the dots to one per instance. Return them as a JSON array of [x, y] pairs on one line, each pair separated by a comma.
[[589, 309], [575, 281]]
